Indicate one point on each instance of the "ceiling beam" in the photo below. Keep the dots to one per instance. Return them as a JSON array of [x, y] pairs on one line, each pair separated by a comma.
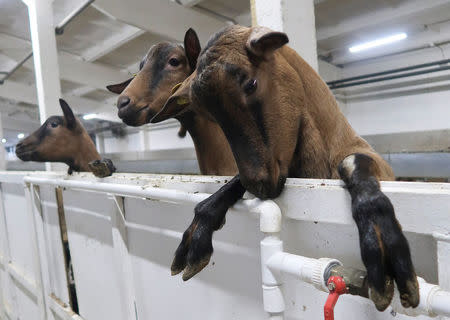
[[19, 92], [104, 47], [19, 125], [379, 17], [189, 3], [80, 91], [163, 17], [72, 68]]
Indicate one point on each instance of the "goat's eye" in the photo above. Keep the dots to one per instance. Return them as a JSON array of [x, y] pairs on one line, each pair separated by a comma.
[[54, 124], [141, 65], [250, 86], [174, 62]]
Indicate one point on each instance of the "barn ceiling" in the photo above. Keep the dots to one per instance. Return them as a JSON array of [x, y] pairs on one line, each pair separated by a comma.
[[106, 41]]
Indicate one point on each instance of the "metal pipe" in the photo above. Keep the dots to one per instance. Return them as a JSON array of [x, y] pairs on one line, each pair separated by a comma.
[[18, 65], [275, 262], [58, 30], [433, 299], [404, 75], [256, 206], [60, 27], [382, 73]]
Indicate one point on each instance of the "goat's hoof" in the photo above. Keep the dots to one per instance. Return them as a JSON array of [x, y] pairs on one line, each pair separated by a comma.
[[385, 253], [195, 250], [192, 270], [102, 168]]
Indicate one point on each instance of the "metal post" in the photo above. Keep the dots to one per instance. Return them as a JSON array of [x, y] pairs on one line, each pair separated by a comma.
[[2, 148], [294, 17], [45, 58], [143, 139], [100, 142], [6, 259]]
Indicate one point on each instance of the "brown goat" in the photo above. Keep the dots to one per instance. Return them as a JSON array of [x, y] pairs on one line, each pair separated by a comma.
[[281, 120], [64, 139], [164, 66]]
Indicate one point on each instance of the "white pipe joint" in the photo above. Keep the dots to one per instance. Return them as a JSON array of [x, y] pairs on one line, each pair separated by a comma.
[[433, 301], [313, 271], [270, 224], [273, 298], [269, 215]]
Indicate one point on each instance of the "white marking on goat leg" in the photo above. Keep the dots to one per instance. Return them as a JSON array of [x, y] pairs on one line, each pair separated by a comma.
[[349, 164]]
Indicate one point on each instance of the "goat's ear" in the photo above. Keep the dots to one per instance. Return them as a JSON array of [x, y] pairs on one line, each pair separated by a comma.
[[176, 103], [118, 88], [263, 41], [192, 47], [71, 122]]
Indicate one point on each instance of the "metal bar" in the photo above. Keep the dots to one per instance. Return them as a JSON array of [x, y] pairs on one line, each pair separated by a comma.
[[23, 279], [61, 309], [9, 312], [256, 205], [382, 73], [404, 75], [18, 65], [39, 247], [7, 258], [60, 27], [121, 256], [72, 291], [58, 30]]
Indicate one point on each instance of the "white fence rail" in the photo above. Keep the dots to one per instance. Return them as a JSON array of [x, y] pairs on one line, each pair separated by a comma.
[[122, 232]]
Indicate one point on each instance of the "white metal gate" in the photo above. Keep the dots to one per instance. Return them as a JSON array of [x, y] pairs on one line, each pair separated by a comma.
[[122, 232]]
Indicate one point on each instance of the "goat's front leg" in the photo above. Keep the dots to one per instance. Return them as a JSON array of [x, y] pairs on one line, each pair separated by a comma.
[[195, 249], [384, 249]]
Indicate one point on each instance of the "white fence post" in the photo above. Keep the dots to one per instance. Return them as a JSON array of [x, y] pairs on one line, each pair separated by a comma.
[[8, 311], [43, 269], [122, 257]]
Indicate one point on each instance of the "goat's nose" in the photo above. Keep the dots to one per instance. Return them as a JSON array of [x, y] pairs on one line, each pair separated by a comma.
[[123, 101]]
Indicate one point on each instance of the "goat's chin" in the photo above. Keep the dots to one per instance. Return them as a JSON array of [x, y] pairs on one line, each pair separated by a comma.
[[264, 189], [29, 156], [139, 118]]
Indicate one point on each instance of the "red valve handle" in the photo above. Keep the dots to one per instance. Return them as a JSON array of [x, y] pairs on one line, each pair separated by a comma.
[[337, 286]]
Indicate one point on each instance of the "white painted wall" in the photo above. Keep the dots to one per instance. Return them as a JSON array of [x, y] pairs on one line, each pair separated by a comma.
[[412, 113], [162, 139], [158, 139], [411, 108], [129, 142]]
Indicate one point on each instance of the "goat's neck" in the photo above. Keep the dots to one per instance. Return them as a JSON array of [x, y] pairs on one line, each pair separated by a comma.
[[324, 131], [214, 154], [87, 153]]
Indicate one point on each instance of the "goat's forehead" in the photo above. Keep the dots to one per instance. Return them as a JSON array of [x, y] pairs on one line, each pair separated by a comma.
[[225, 47], [58, 119], [162, 49]]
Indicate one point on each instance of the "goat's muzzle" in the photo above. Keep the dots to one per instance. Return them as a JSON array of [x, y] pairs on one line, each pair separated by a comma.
[[26, 152], [131, 114]]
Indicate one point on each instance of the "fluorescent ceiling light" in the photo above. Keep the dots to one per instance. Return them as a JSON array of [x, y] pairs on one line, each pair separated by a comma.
[[378, 42], [20, 135], [90, 116], [3, 140]]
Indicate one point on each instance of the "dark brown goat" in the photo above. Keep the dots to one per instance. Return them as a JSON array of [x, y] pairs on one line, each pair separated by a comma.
[[166, 65], [64, 139], [281, 121]]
